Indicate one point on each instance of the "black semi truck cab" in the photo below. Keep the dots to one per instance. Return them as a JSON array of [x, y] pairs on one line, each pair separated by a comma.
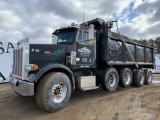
[[85, 57]]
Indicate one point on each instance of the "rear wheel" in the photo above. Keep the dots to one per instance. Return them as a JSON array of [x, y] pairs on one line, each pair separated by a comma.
[[139, 78], [53, 91], [125, 77], [148, 76], [110, 79]]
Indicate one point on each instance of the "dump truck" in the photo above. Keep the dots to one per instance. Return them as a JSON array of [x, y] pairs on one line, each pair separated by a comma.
[[84, 57]]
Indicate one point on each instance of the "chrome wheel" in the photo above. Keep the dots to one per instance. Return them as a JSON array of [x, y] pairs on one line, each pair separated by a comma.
[[59, 92], [149, 77], [141, 78], [112, 79], [125, 75], [127, 78]]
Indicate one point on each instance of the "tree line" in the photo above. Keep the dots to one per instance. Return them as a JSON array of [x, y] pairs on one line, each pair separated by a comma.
[[152, 42]]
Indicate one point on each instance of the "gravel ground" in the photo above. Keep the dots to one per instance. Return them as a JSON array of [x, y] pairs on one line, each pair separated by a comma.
[[123, 104]]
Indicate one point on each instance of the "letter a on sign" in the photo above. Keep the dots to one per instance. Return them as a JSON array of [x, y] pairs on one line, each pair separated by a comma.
[[1, 76]]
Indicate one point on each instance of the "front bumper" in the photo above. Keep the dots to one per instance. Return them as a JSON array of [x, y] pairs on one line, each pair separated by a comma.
[[22, 87]]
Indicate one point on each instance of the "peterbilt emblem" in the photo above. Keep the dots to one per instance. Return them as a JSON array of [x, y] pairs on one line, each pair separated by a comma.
[[47, 52], [84, 51]]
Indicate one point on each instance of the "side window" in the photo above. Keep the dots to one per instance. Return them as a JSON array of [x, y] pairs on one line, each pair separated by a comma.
[[83, 38], [80, 37]]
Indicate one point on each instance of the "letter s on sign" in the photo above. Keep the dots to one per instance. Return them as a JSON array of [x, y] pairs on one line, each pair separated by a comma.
[[1, 49]]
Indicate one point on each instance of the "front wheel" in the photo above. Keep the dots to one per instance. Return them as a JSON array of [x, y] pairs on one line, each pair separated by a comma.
[[53, 91]]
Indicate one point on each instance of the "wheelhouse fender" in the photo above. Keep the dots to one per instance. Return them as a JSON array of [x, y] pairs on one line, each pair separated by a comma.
[[35, 76]]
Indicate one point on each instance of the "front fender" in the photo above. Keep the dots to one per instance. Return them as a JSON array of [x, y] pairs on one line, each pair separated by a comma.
[[35, 76]]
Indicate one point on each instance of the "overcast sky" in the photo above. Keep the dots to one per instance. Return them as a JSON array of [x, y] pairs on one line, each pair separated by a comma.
[[37, 19]]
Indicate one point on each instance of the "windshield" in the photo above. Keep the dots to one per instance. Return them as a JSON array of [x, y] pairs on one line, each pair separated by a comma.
[[64, 35]]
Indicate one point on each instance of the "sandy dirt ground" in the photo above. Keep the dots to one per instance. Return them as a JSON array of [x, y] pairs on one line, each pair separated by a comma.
[[123, 104]]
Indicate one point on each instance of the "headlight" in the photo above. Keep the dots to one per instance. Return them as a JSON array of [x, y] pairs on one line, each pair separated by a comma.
[[31, 67]]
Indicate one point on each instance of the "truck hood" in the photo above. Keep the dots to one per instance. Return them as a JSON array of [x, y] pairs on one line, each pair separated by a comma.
[[41, 54]]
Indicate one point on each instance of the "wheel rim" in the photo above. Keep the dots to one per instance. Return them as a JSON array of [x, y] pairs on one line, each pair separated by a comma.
[[149, 76], [59, 92], [141, 78], [127, 78], [112, 79]]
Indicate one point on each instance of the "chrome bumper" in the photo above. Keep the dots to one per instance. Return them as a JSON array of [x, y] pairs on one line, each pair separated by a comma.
[[22, 87]]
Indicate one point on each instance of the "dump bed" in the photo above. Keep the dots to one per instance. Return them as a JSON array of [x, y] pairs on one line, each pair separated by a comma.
[[118, 53]]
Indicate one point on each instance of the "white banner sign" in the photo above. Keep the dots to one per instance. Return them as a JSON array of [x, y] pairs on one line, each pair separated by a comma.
[[6, 60], [157, 63]]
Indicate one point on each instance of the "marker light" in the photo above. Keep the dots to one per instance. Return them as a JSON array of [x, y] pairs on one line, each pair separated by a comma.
[[72, 24], [86, 24], [35, 67]]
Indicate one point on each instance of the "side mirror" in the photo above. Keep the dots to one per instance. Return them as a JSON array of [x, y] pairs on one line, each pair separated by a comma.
[[91, 32], [54, 39]]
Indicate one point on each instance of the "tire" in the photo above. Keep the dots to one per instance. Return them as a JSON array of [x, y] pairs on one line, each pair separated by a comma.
[[125, 77], [53, 91], [139, 78], [110, 79], [148, 76]]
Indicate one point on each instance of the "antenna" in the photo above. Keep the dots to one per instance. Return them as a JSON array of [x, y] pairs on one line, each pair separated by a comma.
[[83, 11]]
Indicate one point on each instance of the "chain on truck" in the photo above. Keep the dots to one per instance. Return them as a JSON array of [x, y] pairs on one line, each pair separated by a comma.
[[85, 57]]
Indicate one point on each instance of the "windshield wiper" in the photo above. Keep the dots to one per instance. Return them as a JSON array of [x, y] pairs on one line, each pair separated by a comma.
[[64, 42]]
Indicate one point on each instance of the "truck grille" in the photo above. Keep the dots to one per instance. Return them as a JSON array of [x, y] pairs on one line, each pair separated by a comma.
[[17, 62]]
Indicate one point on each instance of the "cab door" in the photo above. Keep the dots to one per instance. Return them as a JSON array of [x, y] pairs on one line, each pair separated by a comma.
[[85, 51]]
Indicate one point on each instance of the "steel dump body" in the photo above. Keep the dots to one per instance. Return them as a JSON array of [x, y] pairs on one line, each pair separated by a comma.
[[117, 53], [112, 50]]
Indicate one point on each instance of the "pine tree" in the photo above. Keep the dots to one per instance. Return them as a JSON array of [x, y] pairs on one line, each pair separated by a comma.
[[157, 45]]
